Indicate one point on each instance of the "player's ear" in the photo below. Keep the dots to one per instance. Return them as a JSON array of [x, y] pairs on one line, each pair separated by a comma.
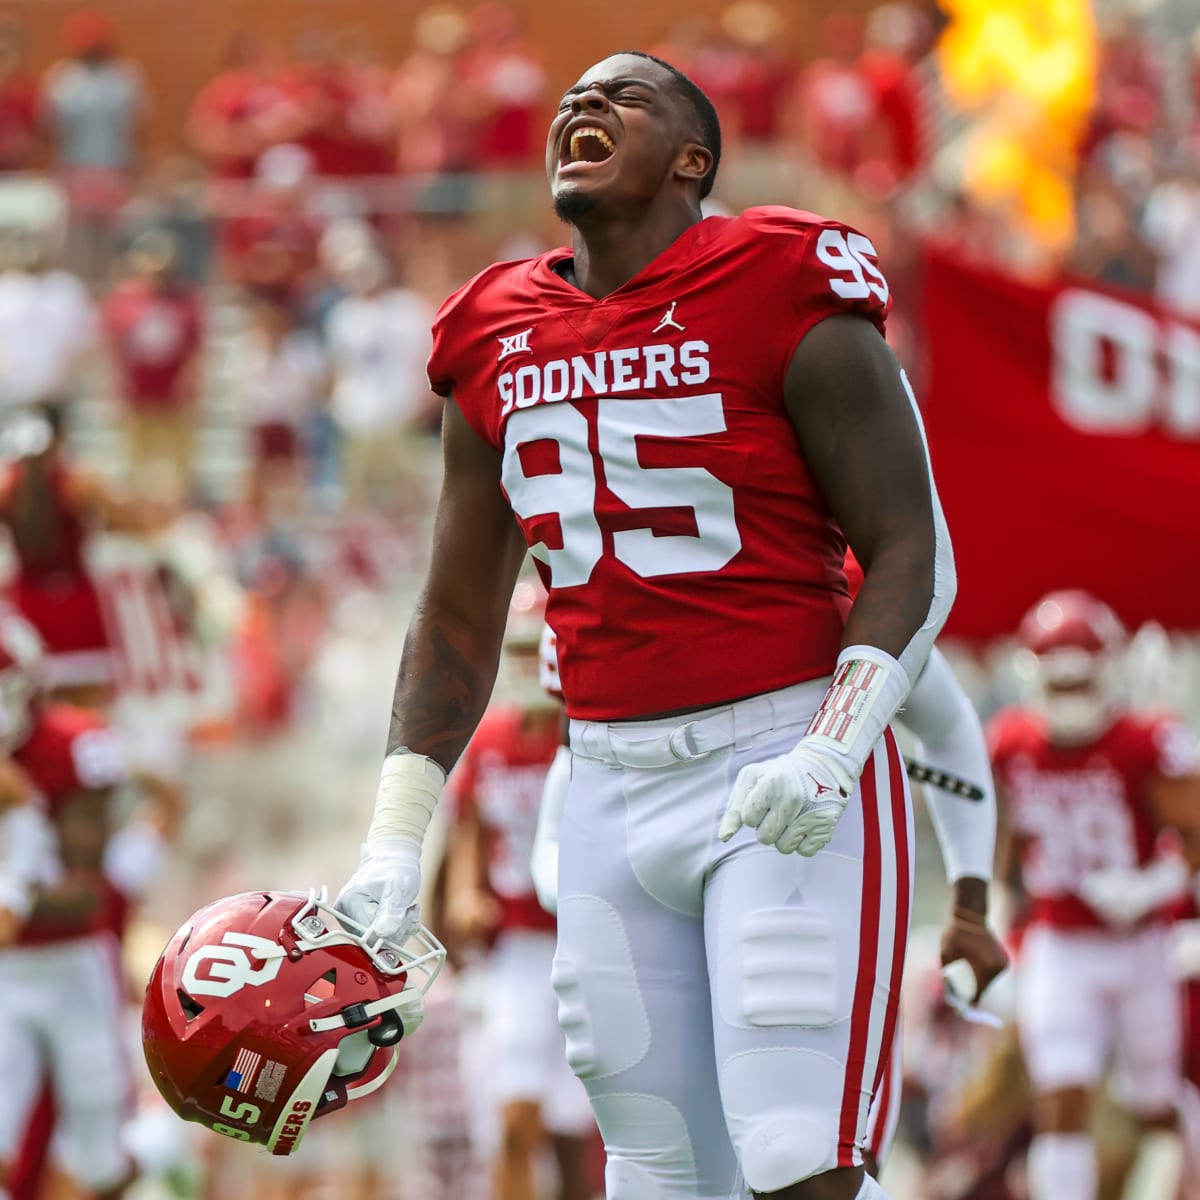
[[694, 162]]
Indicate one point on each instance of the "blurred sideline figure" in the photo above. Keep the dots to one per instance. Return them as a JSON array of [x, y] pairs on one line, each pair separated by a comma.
[[492, 903], [51, 507], [70, 869], [1096, 799]]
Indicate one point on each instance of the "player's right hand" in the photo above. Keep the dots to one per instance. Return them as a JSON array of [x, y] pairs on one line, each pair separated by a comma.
[[974, 943], [381, 895], [793, 802]]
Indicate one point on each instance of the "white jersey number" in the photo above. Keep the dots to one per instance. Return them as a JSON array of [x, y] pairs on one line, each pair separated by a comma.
[[851, 255], [571, 493]]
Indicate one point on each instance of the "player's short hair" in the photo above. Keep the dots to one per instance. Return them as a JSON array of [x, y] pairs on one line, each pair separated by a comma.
[[709, 124]]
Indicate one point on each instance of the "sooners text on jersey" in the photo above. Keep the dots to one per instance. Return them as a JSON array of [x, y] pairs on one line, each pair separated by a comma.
[[648, 457], [1079, 809], [500, 776]]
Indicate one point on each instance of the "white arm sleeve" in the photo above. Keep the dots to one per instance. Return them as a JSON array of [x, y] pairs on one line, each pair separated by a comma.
[[945, 581], [944, 722]]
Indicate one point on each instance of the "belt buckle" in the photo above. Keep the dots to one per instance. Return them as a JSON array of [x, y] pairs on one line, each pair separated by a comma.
[[682, 743]]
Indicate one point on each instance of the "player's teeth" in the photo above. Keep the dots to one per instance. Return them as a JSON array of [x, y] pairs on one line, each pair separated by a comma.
[[588, 131]]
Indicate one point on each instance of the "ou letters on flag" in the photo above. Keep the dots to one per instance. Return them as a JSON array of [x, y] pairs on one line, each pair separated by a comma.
[[1064, 426]]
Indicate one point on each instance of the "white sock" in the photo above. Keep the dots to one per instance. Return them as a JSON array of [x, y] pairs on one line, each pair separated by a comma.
[[870, 1190], [1062, 1166], [1158, 1168]]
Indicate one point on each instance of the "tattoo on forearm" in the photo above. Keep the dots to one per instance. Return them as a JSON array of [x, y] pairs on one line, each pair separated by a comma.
[[439, 697]]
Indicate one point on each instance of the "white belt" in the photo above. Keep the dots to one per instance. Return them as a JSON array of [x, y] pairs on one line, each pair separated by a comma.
[[670, 741]]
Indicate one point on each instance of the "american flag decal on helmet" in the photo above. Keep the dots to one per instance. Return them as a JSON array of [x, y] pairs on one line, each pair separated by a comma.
[[241, 1074]]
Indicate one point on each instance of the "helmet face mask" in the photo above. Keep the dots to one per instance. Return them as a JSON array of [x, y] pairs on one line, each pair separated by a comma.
[[1069, 665], [269, 1009]]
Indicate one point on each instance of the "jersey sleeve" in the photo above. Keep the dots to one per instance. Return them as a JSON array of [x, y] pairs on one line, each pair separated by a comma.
[[1003, 732], [831, 269], [1172, 749], [455, 339]]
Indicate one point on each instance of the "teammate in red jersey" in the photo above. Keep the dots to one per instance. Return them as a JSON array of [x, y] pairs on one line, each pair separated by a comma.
[[1088, 789], [50, 508], [496, 789], [687, 420], [70, 878]]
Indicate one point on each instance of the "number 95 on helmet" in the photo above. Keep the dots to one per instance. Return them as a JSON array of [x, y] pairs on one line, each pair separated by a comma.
[[269, 1009]]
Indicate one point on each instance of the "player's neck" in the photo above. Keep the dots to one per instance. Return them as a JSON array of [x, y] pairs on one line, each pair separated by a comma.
[[610, 252]]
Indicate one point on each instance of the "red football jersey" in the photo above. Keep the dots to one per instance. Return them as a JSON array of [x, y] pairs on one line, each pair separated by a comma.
[[1079, 809], [73, 750], [500, 776], [689, 556]]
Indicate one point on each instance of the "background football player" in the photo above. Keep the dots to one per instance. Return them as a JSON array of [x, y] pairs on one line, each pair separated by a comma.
[[496, 789], [1088, 789], [75, 870]]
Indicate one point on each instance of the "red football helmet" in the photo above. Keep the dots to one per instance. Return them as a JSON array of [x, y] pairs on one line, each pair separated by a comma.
[[271, 1008], [20, 678], [1071, 647]]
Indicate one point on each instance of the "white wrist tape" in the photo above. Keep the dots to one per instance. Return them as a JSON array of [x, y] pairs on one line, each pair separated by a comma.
[[409, 788], [868, 687]]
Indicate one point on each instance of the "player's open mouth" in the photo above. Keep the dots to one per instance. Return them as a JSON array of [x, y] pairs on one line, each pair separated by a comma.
[[587, 146]]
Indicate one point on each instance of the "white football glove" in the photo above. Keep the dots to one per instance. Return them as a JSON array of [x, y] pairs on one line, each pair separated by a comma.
[[382, 894], [793, 801], [1124, 895]]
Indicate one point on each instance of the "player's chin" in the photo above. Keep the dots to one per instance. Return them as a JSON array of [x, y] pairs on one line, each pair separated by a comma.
[[576, 199]]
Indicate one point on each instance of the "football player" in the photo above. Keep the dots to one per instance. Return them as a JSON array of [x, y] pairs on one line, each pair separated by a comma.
[[1087, 790], [496, 789], [680, 417], [50, 507], [70, 878]]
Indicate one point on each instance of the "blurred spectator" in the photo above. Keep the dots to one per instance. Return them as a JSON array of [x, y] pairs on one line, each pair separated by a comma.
[[172, 200], [272, 248], [283, 383], [896, 36], [154, 326], [321, 96], [1129, 83], [511, 86], [18, 99], [835, 102], [760, 73], [47, 323], [1172, 228], [240, 113], [378, 338], [1107, 246], [370, 118], [92, 105], [436, 112]]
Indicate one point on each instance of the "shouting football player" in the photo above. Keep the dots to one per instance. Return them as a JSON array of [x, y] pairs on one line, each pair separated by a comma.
[[680, 417], [1087, 787]]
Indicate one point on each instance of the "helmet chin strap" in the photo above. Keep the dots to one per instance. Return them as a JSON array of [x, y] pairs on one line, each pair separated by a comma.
[[406, 1003]]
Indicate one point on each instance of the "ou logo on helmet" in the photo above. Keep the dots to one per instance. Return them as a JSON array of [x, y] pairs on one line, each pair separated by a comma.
[[224, 969]]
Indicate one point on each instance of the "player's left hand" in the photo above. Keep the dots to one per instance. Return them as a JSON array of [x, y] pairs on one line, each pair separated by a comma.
[[794, 801], [975, 943]]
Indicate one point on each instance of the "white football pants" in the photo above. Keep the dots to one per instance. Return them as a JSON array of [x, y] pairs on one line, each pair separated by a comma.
[[729, 1008], [62, 1018]]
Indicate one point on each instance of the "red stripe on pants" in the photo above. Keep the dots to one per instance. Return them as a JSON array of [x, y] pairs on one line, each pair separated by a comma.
[[868, 954]]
